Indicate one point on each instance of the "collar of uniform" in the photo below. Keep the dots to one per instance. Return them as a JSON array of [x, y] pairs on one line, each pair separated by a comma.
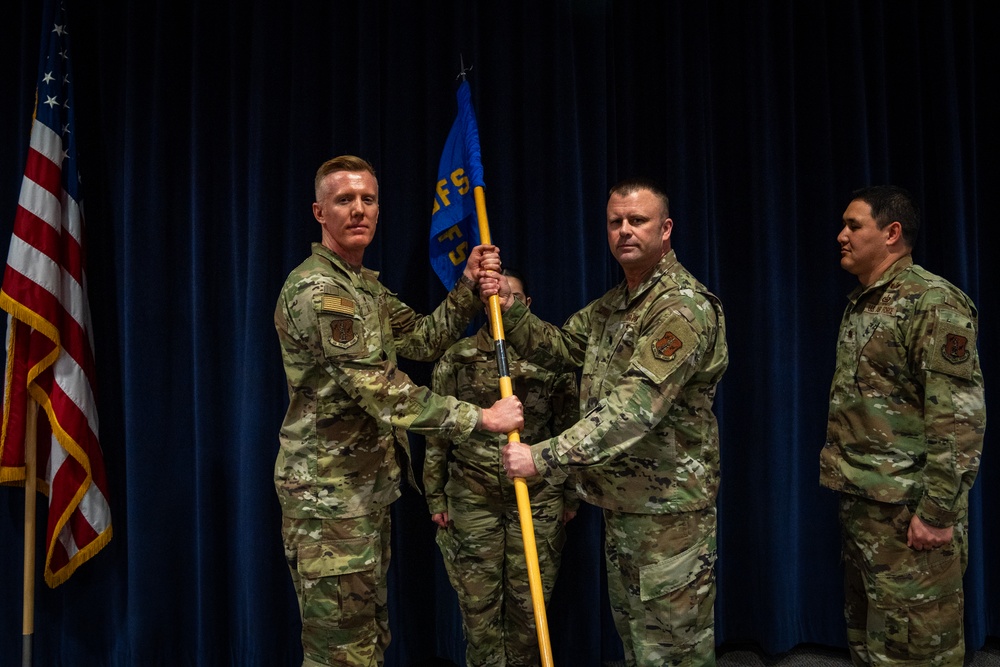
[[897, 267], [666, 266], [484, 339], [358, 275]]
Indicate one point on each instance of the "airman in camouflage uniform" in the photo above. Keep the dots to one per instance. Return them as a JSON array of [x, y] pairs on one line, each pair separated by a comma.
[[472, 500], [337, 469], [646, 450], [904, 438]]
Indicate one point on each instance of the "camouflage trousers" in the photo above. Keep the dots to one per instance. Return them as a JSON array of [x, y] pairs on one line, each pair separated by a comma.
[[661, 582], [484, 555], [903, 606], [339, 569]]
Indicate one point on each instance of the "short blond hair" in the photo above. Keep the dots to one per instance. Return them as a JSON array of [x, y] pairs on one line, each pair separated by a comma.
[[341, 163]]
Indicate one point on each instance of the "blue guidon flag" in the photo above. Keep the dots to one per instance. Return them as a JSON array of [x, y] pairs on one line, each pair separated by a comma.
[[454, 224]]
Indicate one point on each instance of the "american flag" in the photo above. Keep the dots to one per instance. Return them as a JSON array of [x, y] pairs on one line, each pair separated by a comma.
[[50, 353]]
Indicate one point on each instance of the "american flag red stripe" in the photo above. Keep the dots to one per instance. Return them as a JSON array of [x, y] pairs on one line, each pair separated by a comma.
[[48, 307], [48, 241], [43, 171], [50, 352]]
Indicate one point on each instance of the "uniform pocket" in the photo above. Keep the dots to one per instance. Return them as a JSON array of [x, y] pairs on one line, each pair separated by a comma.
[[450, 547], [880, 364], [335, 557], [923, 609], [451, 552], [679, 593], [676, 572], [338, 578]]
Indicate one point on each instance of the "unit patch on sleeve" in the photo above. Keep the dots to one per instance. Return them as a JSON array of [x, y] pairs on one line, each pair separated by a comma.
[[954, 347], [667, 346], [662, 353], [342, 332]]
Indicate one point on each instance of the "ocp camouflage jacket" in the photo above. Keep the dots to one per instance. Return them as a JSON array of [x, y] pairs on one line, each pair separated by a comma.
[[907, 411], [349, 405], [647, 441]]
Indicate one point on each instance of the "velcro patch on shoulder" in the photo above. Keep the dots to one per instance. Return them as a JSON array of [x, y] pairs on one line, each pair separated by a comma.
[[667, 346], [666, 349], [336, 304], [954, 347], [342, 331]]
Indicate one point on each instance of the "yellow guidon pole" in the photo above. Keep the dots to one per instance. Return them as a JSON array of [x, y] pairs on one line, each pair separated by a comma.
[[520, 488]]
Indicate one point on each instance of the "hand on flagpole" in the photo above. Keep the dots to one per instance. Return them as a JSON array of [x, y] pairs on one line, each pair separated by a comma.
[[483, 260], [495, 284], [504, 416], [517, 460]]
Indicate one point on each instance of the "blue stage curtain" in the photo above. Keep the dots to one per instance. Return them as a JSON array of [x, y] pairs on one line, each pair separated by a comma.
[[201, 125]]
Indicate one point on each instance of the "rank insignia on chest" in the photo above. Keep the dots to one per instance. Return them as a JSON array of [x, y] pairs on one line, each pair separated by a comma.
[[667, 346], [342, 331], [954, 349]]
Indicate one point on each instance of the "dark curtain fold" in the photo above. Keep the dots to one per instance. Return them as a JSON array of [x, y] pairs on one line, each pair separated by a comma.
[[201, 126]]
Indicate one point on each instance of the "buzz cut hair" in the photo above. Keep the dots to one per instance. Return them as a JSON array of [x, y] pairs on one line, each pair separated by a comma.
[[632, 185]]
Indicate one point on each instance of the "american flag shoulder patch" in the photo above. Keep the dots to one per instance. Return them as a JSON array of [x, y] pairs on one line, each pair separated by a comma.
[[337, 304]]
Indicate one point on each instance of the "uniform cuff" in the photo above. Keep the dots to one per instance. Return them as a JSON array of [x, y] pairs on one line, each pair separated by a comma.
[[546, 463], [437, 504], [468, 282], [934, 515], [513, 315], [468, 419]]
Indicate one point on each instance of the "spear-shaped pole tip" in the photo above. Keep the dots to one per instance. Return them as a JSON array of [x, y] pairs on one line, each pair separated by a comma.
[[462, 72]]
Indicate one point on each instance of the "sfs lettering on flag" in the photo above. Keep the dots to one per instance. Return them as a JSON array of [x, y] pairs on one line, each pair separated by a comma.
[[459, 252]]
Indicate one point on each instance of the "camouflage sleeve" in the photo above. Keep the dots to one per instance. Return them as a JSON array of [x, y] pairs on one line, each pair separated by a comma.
[[954, 404], [426, 337], [565, 402], [558, 350], [354, 359], [436, 457], [668, 352], [565, 406], [296, 350]]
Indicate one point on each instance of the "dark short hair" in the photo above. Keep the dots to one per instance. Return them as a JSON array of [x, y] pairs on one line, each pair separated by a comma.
[[342, 163], [891, 203], [516, 275], [630, 185]]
